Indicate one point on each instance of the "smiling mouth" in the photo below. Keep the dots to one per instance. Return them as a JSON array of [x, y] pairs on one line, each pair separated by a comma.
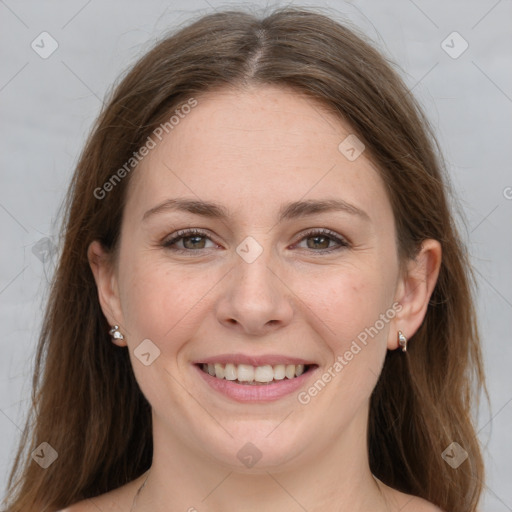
[[255, 375]]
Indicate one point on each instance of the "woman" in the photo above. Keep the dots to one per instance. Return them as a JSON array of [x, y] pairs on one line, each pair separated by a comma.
[[262, 301]]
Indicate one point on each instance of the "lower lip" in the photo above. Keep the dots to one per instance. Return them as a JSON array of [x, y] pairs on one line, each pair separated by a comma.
[[255, 393]]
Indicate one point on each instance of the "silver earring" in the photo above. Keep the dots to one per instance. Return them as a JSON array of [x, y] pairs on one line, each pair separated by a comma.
[[116, 333], [402, 341]]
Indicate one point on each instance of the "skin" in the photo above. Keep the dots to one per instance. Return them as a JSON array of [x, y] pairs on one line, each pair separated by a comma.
[[252, 150]]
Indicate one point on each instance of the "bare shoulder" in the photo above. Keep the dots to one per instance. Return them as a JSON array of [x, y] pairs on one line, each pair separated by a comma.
[[118, 500], [421, 505], [410, 503], [104, 502], [407, 502]]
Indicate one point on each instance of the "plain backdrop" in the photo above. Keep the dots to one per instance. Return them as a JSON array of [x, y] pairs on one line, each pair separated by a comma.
[[49, 104]]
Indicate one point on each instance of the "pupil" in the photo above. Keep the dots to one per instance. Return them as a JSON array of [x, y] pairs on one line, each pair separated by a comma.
[[194, 240], [320, 237]]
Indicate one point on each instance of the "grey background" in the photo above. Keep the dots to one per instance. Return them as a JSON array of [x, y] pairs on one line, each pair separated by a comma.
[[48, 106]]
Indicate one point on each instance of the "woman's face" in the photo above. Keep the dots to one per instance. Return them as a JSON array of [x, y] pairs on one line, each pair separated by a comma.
[[264, 286]]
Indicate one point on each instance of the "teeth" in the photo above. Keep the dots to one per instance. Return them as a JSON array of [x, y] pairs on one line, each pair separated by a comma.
[[289, 371], [245, 373], [263, 373], [219, 371], [279, 372], [230, 372], [250, 374]]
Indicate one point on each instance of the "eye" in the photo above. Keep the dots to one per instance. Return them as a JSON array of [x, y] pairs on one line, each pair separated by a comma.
[[321, 238], [195, 239], [191, 239]]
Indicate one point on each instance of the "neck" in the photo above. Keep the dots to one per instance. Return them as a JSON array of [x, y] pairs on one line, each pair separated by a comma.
[[337, 479]]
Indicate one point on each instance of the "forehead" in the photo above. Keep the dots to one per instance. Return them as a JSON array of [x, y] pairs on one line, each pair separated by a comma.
[[254, 149]]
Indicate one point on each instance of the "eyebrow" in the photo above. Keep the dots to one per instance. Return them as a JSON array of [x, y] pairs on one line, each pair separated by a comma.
[[288, 211]]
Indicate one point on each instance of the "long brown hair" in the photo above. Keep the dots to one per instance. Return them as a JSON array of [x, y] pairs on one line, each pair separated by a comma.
[[86, 402]]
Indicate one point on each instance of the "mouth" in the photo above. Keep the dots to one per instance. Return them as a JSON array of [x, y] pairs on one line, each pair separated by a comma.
[[249, 375], [255, 378]]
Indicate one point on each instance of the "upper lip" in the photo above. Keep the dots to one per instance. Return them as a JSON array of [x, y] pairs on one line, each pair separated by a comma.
[[262, 360]]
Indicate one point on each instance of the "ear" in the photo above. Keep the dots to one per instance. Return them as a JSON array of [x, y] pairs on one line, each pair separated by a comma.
[[106, 282], [414, 290]]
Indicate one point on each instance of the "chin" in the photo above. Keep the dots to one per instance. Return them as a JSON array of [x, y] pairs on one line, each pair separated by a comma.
[[256, 447]]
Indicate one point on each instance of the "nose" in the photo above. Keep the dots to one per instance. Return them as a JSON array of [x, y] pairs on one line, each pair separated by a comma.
[[257, 300]]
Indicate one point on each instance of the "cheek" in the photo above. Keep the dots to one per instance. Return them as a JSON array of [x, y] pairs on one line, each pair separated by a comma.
[[347, 313], [351, 310], [162, 301], [347, 302]]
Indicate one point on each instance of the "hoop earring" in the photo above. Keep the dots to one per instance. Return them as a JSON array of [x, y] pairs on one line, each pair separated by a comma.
[[402, 341], [116, 333]]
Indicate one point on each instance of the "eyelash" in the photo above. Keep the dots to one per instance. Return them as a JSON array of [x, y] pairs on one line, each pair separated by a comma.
[[189, 233]]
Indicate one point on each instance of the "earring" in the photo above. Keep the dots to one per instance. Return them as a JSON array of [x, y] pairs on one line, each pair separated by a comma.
[[116, 333], [402, 341]]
